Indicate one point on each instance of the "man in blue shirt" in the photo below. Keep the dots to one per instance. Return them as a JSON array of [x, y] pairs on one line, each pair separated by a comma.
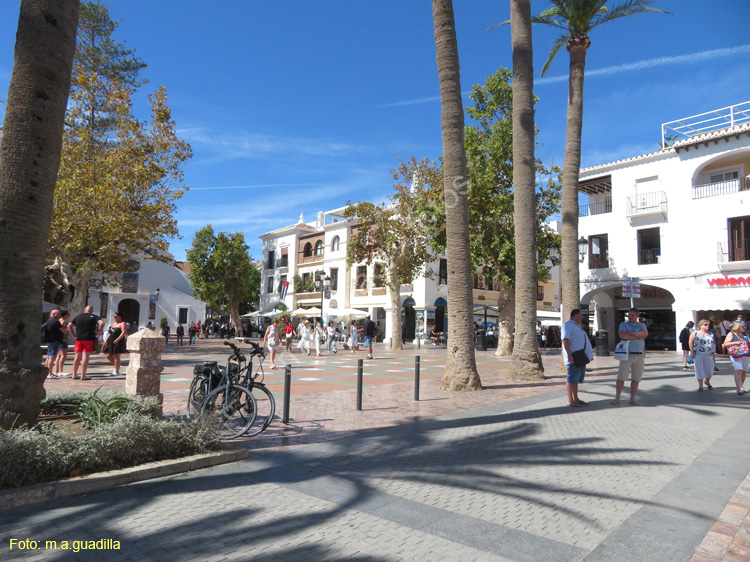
[[574, 338], [635, 333]]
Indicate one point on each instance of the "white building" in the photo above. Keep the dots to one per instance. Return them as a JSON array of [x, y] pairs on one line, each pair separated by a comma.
[[305, 249], [678, 220], [151, 290]]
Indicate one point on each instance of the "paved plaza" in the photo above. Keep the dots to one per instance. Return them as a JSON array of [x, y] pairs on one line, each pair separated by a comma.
[[510, 473]]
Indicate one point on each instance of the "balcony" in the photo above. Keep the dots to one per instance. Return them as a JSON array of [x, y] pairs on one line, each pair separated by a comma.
[[644, 204], [282, 262], [721, 188], [596, 208], [649, 256]]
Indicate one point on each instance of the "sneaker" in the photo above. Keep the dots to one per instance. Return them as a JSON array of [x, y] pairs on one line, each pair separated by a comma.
[[63, 374], [369, 356], [684, 368]]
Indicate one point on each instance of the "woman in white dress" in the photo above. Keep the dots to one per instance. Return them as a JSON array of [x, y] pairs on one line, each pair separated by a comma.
[[353, 337], [272, 340], [305, 337], [702, 348]]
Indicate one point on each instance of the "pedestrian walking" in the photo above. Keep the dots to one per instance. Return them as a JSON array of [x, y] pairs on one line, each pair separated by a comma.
[[62, 355], [272, 340], [702, 350], [319, 335], [575, 339], [635, 333], [353, 337], [305, 336], [685, 343], [288, 334], [85, 327], [192, 331], [331, 339], [180, 332], [165, 332], [737, 345]]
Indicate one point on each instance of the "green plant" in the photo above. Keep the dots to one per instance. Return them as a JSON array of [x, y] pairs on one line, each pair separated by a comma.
[[93, 410], [30, 456], [162, 322], [61, 403]]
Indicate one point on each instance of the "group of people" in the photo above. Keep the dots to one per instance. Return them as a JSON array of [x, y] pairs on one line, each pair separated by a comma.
[[84, 330], [701, 343], [578, 353], [307, 334]]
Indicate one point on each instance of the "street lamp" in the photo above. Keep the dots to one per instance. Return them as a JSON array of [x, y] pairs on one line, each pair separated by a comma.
[[157, 291], [322, 284], [554, 252], [583, 246]]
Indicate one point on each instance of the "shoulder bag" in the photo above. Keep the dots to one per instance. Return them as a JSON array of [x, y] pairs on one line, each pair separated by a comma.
[[741, 350], [621, 350]]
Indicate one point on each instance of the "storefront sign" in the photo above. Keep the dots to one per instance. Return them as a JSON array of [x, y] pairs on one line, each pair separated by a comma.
[[728, 281]]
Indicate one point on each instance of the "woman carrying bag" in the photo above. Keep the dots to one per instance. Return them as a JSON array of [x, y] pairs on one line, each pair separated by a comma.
[[737, 345]]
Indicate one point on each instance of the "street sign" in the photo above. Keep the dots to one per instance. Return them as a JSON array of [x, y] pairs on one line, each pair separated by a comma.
[[631, 288]]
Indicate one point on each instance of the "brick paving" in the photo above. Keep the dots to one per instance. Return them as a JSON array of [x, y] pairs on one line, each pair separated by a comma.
[[322, 411]]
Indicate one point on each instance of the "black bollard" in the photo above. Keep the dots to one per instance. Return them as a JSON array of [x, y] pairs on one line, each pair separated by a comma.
[[360, 367], [287, 391], [416, 378]]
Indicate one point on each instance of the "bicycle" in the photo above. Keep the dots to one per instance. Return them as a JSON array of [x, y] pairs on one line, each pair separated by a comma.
[[231, 405], [253, 381]]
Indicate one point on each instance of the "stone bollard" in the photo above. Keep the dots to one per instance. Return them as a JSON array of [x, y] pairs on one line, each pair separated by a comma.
[[143, 376]]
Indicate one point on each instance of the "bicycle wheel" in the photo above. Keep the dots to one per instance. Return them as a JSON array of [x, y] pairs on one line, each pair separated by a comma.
[[232, 410], [196, 395], [265, 409]]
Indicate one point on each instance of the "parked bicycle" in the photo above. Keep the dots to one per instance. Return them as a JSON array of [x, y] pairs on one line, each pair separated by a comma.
[[209, 377]]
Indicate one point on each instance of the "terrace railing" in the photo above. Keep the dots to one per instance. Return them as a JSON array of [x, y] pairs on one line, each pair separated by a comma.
[[721, 188], [595, 208]]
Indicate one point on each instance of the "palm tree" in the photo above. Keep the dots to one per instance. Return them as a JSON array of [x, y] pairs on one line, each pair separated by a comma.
[[460, 366], [29, 160], [527, 363], [577, 18]]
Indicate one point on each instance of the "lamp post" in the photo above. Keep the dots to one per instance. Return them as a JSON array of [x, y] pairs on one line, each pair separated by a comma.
[[554, 252], [583, 246], [323, 284]]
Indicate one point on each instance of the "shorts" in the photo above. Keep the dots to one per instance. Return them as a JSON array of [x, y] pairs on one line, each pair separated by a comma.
[[740, 363], [634, 365], [575, 374], [367, 342], [53, 348], [84, 346]]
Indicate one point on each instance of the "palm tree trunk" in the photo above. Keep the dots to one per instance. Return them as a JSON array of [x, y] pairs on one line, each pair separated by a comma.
[[571, 296], [460, 366], [506, 312], [527, 363], [29, 160]]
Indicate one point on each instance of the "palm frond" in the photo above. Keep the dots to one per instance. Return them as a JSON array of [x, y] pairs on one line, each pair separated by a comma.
[[625, 9], [556, 46]]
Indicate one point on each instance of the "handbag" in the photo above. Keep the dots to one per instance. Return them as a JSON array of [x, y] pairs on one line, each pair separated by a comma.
[[621, 350], [580, 358], [741, 350]]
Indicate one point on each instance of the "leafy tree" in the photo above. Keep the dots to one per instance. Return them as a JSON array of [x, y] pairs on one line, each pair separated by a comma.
[[460, 365], [119, 178], [489, 150], [222, 270], [576, 19], [527, 363], [29, 160], [394, 233]]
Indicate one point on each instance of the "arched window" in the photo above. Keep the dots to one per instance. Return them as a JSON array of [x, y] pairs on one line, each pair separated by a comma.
[[308, 250], [319, 248], [335, 244]]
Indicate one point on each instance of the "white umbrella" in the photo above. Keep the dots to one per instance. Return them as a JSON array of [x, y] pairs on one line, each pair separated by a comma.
[[348, 313], [256, 314], [305, 312], [272, 314]]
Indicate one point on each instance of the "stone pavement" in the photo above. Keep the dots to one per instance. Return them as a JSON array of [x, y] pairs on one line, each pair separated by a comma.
[[510, 473]]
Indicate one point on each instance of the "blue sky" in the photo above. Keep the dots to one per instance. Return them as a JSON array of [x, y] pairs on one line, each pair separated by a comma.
[[296, 107]]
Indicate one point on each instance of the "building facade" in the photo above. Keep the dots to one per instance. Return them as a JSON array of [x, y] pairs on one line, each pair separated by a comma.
[[300, 254], [674, 220]]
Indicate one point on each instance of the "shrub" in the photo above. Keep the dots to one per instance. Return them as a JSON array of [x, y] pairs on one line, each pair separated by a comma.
[[31, 456], [71, 402]]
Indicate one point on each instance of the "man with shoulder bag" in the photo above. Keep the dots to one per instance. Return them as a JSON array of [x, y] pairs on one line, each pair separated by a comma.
[[577, 354], [635, 333]]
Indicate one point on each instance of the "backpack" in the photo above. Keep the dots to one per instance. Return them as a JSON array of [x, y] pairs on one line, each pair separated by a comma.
[[45, 334]]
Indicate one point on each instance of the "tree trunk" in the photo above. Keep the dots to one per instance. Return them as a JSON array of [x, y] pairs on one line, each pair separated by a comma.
[[527, 363], [29, 160], [506, 312], [569, 209], [460, 366], [395, 290]]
